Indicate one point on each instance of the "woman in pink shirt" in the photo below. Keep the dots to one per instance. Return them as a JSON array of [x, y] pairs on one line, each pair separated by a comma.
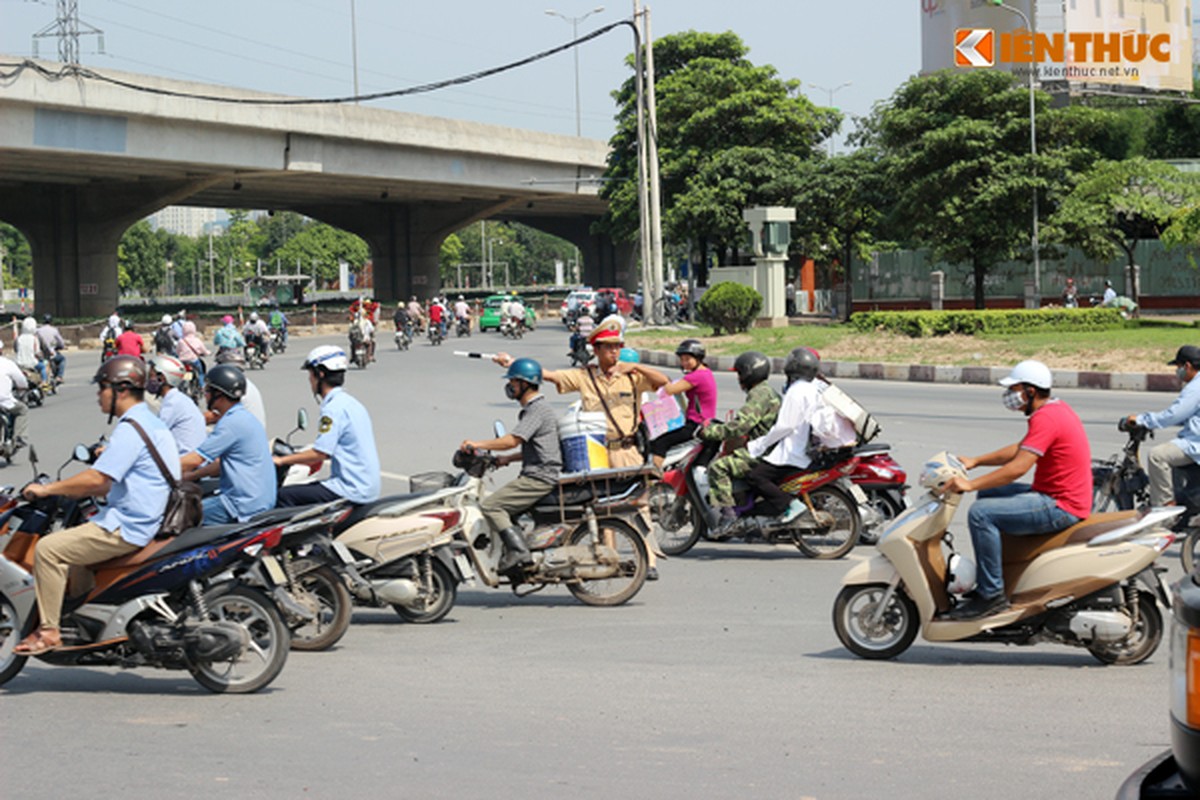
[[699, 388], [191, 350]]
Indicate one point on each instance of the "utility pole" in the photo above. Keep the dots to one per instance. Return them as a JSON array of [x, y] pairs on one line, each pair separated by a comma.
[[66, 28]]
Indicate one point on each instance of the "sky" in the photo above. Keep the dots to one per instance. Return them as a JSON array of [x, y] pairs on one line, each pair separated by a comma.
[[305, 47]]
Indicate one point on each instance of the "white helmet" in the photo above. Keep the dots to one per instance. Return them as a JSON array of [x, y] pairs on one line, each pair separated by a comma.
[[1035, 373], [29, 325], [327, 357], [166, 320], [170, 368], [960, 574], [938, 470], [254, 316]]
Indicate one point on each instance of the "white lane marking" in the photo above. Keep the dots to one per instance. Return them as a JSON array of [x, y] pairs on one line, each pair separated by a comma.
[[394, 476]]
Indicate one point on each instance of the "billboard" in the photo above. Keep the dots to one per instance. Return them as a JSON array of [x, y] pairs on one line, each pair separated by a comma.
[[1137, 44]]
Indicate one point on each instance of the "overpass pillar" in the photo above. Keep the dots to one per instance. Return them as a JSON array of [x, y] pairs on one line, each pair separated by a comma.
[[73, 233], [605, 262]]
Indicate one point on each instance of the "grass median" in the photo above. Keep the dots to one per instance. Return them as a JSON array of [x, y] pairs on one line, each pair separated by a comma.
[[1145, 346]]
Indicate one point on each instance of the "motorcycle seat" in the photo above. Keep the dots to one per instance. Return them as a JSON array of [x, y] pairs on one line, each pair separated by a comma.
[[157, 548], [578, 488], [1024, 549], [872, 449]]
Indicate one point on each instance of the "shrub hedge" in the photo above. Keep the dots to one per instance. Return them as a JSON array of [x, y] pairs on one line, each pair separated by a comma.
[[939, 323], [729, 307]]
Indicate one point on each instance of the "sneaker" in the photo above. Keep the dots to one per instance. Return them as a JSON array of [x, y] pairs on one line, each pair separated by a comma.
[[792, 513], [978, 607], [724, 526], [652, 574]]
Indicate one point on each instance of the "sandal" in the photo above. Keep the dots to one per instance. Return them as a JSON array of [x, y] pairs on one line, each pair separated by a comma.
[[37, 643]]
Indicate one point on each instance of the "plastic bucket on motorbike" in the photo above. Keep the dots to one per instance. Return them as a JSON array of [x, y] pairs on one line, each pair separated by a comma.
[[582, 434]]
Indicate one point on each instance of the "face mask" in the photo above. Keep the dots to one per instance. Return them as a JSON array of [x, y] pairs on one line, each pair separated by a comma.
[[510, 392], [1181, 373], [154, 386], [1014, 400]]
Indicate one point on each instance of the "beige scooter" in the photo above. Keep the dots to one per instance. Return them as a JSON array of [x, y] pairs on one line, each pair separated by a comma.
[[1092, 585]]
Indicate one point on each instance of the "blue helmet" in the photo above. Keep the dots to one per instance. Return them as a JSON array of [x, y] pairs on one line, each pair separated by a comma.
[[525, 369]]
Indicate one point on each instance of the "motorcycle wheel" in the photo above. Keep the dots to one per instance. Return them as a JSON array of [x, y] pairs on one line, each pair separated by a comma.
[[261, 661], [12, 631], [1141, 642], [888, 505], [841, 536], [333, 606], [438, 603], [634, 564], [675, 536], [1189, 551], [887, 638]]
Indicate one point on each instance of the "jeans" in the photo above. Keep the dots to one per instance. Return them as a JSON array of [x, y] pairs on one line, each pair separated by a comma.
[[215, 512], [1018, 511], [59, 362]]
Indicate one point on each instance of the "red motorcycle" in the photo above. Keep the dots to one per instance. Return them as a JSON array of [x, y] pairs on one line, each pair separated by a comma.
[[829, 527], [883, 480]]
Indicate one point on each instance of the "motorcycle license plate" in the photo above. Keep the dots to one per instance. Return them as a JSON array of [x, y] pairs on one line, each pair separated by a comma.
[[343, 553], [858, 494], [271, 564]]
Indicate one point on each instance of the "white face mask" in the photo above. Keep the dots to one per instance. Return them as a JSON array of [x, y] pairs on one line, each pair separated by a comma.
[[1181, 373], [1014, 400]]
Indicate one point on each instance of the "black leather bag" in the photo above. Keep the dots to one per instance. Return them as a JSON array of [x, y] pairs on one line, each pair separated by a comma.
[[185, 508]]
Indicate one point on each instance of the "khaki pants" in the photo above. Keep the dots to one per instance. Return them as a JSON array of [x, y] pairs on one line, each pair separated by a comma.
[[1158, 465], [512, 498], [57, 552]]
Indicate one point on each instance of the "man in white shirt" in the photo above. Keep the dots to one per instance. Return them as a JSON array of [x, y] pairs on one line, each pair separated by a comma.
[[11, 380], [1110, 293], [783, 450]]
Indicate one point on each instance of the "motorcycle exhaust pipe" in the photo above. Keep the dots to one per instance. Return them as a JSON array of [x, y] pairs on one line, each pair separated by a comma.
[[399, 591]]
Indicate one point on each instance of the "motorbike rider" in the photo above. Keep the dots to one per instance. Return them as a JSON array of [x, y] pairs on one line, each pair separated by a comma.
[[540, 456], [517, 309], [227, 340], [239, 441], [401, 320], [415, 314], [1184, 449], [344, 436], [191, 350], [130, 343], [783, 449], [362, 330], [52, 346], [699, 387], [130, 480], [462, 311], [752, 420], [258, 334], [1070, 294], [164, 337], [437, 315], [177, 411], [13, 380], [29, 350], [279, 322], [1056, 446], [583, 327]]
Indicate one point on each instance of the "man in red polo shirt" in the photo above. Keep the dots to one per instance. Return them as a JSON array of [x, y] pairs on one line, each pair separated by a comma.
[[130, 343], [1056, 447]]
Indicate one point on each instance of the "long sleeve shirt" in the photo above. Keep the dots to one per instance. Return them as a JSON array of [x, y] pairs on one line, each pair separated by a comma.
[[1184, 411], [791, 428]]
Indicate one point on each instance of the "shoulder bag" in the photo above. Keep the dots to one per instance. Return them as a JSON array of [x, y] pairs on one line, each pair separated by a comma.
[[184, 506]]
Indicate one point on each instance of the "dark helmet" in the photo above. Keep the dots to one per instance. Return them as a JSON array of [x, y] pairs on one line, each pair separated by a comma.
[[46, 318], [525, 369], [691, 347], [122, 372], [228, 380], [752, 368], [802, 364]]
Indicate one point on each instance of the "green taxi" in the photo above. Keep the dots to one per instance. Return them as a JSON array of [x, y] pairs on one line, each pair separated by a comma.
[[490, 318]]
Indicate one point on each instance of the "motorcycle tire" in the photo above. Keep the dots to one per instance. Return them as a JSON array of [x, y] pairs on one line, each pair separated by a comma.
[[840, 537], [439, 602], [889, 504], [270, 640], [1141, 642], [324, 587], [675, 536], [890, 636], [1189, 551], [634, 564], [12, 631]]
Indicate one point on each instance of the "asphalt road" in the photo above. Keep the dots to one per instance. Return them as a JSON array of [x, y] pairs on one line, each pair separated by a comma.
[[724, 679]]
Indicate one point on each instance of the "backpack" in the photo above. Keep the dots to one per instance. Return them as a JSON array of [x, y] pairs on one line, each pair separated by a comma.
[[163, 341], [847, 417]]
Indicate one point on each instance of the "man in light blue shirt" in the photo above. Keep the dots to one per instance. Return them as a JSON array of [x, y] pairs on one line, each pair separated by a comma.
[[127, 475], [177, 411], [247, 478], [1185, 448], [344, 436]]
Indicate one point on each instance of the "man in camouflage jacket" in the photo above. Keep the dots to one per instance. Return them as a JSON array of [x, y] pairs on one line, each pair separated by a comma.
[[752, 420]]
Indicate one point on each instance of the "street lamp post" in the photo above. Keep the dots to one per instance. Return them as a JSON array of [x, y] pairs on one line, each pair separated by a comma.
[[575, 35], [831, 93], [1037, 266]]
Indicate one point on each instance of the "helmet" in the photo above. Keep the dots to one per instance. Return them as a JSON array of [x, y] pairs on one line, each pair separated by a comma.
[[231, 355], [122, 372], [752, 368], [960, 574], [254, 316], [691, 347], [802, 364], [226, 379], [940, 469], [166, 319], [326, 358], [1035, 373], [46, 318], [170, 368], [460, 297], [525, 369], [28, 325], [629, 355], [226, 320]]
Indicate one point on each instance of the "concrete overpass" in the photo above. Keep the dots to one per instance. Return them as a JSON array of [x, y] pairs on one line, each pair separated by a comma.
[[82, 159]]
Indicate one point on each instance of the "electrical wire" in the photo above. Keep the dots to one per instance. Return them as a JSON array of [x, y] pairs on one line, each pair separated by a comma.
[[79, 71]]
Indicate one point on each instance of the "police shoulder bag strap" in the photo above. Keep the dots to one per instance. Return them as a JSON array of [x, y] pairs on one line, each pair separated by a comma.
[[184, 505], [625, 439]]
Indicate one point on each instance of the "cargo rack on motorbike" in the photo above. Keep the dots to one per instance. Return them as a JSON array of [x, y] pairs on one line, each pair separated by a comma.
[[609, 492]]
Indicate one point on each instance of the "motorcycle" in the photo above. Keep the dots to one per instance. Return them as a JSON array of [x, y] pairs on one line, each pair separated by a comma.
[[829, 527], [462, 327], [511, 328], [9, 446], [33, 395], [580, 354], [359, 348], [174, 604], [435, 333], [254, 357], [586, 534], [882, 479], [404, 337], [191, 383], [278, 340], [1093, 585]]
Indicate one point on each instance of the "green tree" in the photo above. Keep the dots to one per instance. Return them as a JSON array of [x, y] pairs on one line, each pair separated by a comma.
[[1120, 203], [450, 257], [710, 100], [141, 260], [319, 247], [17, 257]]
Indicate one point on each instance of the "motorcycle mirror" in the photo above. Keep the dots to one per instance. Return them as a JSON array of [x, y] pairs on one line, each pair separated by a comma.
[[82, 453], [499, 429], [33, 460], [302, 419]]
